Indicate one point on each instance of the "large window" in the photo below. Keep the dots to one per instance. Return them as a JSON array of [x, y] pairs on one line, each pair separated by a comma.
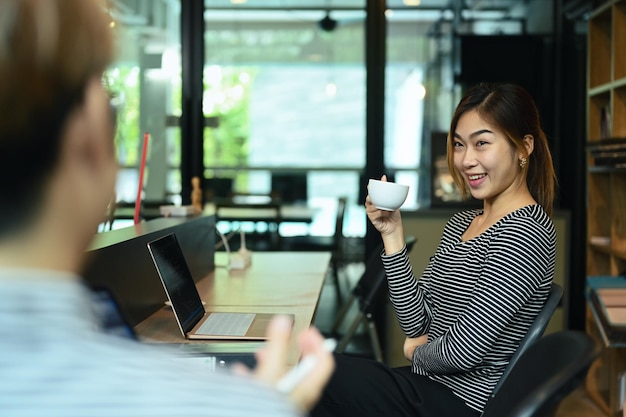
[[146, 83], [289, 98], [284, 93]]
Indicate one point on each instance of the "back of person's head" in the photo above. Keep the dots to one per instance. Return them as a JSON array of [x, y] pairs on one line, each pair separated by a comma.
[[510, 108], [49, 51]]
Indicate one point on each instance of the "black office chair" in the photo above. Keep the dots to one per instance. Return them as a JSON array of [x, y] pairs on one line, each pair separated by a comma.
[[333, 244], [290, 187], [217, 188], [368, 294], [544, 375], [536, 330]]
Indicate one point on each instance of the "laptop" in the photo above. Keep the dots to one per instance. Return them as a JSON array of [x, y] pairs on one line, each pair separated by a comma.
[[193, 321], [210, 355]]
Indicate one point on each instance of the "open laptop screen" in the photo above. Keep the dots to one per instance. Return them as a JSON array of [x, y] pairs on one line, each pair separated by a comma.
[[177, 281]]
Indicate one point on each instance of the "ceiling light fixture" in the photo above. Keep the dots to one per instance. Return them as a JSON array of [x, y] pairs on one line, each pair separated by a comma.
[[411, 2], [327, 24]]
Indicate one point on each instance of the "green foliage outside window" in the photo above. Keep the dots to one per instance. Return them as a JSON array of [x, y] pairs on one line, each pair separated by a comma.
[[227, 97], [123, 84]]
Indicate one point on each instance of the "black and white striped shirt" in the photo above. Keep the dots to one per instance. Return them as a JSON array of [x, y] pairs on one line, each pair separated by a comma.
[[56, 361], [476, 299]]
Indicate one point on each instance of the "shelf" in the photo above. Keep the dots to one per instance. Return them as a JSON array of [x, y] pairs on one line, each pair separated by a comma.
[[599, 90], [621, 255], [605, 142], [598, 105], [602, 248], [599, 48], [619, 41], [619, 111], [607, 250], [606, 169]]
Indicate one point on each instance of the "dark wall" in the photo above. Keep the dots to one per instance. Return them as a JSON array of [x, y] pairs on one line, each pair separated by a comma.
[[527, 60], [571, 169], [120, 261], [552, 69]]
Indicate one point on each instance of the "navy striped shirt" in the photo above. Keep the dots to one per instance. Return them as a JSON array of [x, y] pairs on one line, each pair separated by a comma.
[[476, 299], [56, 361]]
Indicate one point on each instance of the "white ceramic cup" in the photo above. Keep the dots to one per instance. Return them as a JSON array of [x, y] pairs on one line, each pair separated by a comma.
[[387, 195]]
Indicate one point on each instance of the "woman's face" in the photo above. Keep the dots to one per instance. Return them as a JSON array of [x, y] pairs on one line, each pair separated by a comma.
[[485, 158]]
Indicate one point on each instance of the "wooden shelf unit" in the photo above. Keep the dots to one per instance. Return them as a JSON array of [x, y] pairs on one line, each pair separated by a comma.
[[606, 177], [606, 182]]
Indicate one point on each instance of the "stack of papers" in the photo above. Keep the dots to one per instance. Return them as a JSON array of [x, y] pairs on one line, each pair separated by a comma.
[[609, 305], [613, 301]]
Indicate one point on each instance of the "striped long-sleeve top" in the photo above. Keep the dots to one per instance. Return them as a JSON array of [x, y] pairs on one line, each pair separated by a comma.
[[476, 299]]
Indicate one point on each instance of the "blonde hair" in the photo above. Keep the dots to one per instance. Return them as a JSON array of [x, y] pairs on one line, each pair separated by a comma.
[[49, 50]]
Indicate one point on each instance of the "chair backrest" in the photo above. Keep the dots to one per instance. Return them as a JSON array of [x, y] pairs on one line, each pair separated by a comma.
[[373, 280], [368, 294], [290, 187], [341, 213], [545, 373], [535, 331], [217, 187]]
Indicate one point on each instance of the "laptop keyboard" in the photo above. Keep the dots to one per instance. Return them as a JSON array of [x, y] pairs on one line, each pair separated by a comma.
[[227, 324]]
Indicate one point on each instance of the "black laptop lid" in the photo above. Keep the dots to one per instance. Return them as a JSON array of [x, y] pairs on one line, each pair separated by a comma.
[[177, 281]]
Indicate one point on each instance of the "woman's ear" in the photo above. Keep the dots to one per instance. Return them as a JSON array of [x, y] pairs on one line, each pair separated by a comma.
[[529, 144]]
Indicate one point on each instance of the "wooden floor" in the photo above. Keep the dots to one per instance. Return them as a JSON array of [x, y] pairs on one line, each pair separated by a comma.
[[578, 404]]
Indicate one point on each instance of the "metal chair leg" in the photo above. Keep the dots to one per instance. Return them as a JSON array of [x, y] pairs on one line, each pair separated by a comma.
[[343, 343], [342, 313], [373, 333]]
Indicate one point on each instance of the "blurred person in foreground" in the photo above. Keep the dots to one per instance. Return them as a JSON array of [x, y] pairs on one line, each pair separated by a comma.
[[57, 175], [489, 277]]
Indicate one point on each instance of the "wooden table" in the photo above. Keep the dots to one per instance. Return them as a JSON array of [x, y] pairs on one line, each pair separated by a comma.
[[275, 282]]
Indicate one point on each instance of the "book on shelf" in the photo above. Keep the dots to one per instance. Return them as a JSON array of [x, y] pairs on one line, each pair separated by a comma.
[[607, 296], [600, 240], [608, 151], [605, 122]]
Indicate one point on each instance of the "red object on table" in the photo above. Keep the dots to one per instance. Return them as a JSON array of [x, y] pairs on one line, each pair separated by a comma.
[[142, 168]]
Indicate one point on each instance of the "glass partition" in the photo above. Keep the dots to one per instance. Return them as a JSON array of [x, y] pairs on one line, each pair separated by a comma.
[[145, 80]]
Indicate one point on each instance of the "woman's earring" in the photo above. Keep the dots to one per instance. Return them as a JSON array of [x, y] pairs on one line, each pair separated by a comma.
[[522, 162]]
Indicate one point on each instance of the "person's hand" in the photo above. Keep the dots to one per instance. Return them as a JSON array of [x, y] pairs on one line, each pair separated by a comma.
[[411, 343], [388, 224], [271, 364]]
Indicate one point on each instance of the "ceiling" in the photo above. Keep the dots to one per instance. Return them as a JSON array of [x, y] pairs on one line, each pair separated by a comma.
[[144, 11], [486, 5], [155, 20], [431, 9]]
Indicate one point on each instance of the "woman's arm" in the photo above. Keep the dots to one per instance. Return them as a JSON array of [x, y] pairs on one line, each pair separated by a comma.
[[411, 343], [517, 268], [410, 300]]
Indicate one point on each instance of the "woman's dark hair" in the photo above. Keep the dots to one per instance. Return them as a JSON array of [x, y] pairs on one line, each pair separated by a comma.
[[511, 109]]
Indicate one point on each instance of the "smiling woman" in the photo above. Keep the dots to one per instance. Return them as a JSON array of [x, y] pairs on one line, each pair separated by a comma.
[[504, 113], [487, 281]]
